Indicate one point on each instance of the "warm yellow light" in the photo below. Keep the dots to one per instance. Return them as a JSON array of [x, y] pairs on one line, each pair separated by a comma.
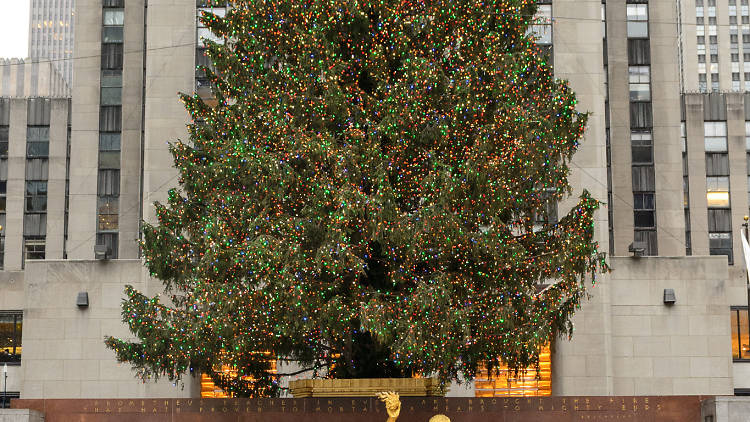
[[717, 199], [211, 390], [525, 384]]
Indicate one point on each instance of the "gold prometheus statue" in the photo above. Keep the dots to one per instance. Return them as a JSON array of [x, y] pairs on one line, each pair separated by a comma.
[[393, 407]]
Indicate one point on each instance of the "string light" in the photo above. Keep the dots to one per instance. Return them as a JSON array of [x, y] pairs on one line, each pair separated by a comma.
[[369, 170]]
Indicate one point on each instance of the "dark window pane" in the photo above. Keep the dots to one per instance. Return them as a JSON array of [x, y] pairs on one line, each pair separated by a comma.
[[639, 52], [109, 141], [644, 219], [717, 164], [109, 183], [643, 178], [37, 149], [37, 169], [643, 154], [36, 203], [719, 220], [112, 56], [643, 201], [111, 78], [112, 34], [109, 159], [111, 96], [4, 111], [35, 225], [37, 134], [36, 188], [113, 3], [647, 238], [640, 115], [110, 240], [110, 118], [38, 111]]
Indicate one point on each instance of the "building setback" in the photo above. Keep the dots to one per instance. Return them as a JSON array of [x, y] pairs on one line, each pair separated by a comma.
[[649, 154]]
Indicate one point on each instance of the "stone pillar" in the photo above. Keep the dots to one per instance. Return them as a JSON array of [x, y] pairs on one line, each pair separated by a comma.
[[84, 151], [584, 366], [665, 101], [58, 149], [16, 185], [696, 156]]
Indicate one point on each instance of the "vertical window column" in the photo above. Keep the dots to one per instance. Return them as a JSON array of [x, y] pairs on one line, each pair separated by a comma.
[[4, 137], [608, 142], [717, 190], [686, 190], [110, 126], [700, 31], [641, 124], [37, 171]]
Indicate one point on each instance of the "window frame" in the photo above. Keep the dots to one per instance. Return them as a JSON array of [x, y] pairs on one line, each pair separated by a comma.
[[16, 336], [738, 324]]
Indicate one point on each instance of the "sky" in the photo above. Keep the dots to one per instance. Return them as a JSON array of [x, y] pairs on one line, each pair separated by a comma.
[[14, 28]]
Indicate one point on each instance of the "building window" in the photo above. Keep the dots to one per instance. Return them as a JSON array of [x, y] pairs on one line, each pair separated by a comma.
[[721, 244], [641, 115], [637, 20], [644, 210], [11, 324], [4, 133], [640, 83], [205, 33], [717, 192], [108, 213], [715, 135], [639, 52], [740, 333], [642, 148], [33, 248], [37, 141], [8, 397], [647, 240], [541, 28], [109, 240], [717, 164], [36, 196], [113, 17]]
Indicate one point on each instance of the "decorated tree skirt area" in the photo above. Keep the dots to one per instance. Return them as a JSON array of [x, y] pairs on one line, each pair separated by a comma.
[[413, 409]]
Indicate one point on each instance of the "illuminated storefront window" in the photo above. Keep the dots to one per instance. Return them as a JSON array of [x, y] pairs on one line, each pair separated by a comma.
[[527, 384], [740, 334]]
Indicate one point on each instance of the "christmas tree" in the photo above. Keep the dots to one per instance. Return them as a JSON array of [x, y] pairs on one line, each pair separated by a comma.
[[369, 195]]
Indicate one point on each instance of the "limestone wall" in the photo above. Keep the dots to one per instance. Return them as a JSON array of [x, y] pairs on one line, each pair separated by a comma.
[[657, 349], [63, 345]]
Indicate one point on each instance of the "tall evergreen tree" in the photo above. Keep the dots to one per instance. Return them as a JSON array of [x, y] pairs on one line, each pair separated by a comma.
[[364, 197]]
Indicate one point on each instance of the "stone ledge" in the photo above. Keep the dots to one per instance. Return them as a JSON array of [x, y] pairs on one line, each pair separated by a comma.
[[20, 415]]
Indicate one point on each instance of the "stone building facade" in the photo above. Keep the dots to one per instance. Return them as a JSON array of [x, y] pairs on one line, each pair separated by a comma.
[[621, 58], [51, 30]]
